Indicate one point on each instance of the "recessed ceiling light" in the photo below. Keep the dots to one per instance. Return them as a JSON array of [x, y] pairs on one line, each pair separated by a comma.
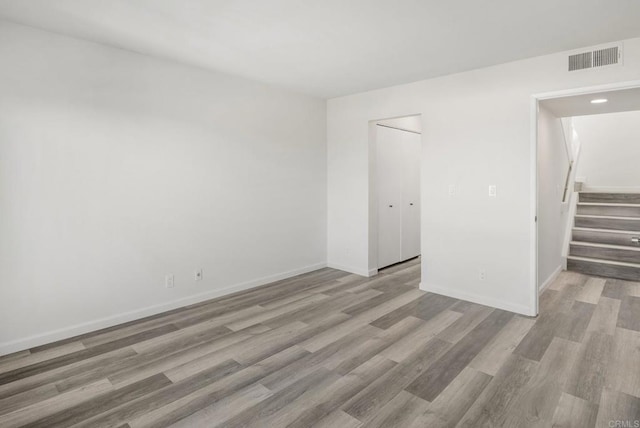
[[599, 101]]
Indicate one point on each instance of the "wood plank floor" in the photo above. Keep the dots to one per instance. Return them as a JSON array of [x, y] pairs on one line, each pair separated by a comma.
[[330, 349]]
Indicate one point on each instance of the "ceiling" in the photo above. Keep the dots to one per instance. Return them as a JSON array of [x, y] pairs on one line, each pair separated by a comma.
[[329, 48], [580, 105]]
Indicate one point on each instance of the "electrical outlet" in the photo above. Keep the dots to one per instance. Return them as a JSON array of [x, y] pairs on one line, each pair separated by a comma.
[[452, 189], [482, 275], [198, 275], [169, 281], [493, 191]]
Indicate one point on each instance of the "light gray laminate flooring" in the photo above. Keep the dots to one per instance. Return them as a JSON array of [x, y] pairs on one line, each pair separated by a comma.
[[331, 349]]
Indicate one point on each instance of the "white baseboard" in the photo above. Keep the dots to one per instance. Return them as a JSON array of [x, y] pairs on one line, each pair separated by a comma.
[[475, 298], [611, 189], [551, 278], [357, 271], [87, 327]]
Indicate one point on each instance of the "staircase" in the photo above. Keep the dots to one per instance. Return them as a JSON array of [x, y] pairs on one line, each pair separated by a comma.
[[606, 236]]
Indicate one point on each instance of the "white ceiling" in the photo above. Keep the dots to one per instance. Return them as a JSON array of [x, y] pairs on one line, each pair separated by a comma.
[[580, 105], [336, 47]]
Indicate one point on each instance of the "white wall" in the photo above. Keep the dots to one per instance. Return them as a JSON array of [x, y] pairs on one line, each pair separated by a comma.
[[116, 169], [610, 150], [553, 163], [476, 132]]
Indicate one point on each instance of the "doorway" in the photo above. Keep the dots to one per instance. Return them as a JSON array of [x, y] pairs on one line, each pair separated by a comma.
[[395, 201], [569, 230]]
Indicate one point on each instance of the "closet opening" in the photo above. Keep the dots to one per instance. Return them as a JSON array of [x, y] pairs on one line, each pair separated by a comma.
[[394, 191]]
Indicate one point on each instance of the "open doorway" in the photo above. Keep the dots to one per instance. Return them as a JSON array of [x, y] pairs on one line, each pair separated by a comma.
[[394, 190], [587, 184]]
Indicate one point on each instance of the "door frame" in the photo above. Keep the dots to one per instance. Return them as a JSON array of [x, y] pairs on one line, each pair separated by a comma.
[[533, 187], [372, 261]]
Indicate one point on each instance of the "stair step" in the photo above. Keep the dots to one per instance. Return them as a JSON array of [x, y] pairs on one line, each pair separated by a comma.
[[599, 245], [615, 210], [604, 226], [608, 204], [608, 222], [605, 252], [602, 236], [605, 268], [623, 198]]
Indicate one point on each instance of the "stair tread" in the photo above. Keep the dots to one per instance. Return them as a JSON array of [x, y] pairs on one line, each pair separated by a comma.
[[608, 204], [592, 229], [603, 261], [599, 245], [605, 214], [609, 197], [607, 217]]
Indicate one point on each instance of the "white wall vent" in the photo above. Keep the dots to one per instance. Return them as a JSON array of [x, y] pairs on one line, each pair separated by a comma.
[[596, 58]]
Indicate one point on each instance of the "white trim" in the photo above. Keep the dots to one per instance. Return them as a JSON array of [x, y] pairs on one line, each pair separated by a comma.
[[350, 269], [372, 218], [98, 324], [476, 298], [533, 229], [632, 84], [551, 278]]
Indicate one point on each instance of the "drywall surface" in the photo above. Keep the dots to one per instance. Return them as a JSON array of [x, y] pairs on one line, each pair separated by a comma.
[[477, 129], [117, 169], [553, 164], [610, 150]]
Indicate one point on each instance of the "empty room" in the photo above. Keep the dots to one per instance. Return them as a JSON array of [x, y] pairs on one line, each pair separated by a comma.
[[331, 214]]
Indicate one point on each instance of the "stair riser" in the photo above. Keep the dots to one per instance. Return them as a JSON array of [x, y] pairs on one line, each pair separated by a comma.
[[608, 223], [615, 254], [606, 270], [609, 211], [614, 198], [604, 237]]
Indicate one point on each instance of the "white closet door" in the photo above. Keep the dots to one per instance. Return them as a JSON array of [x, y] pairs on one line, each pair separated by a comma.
[[389, 181], [411, 148]]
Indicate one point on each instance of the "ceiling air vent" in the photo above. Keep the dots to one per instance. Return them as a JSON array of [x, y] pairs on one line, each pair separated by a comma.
[[595, 58]]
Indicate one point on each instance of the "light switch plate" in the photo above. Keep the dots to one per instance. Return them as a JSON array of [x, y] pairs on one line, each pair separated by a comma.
[[493, 191]]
